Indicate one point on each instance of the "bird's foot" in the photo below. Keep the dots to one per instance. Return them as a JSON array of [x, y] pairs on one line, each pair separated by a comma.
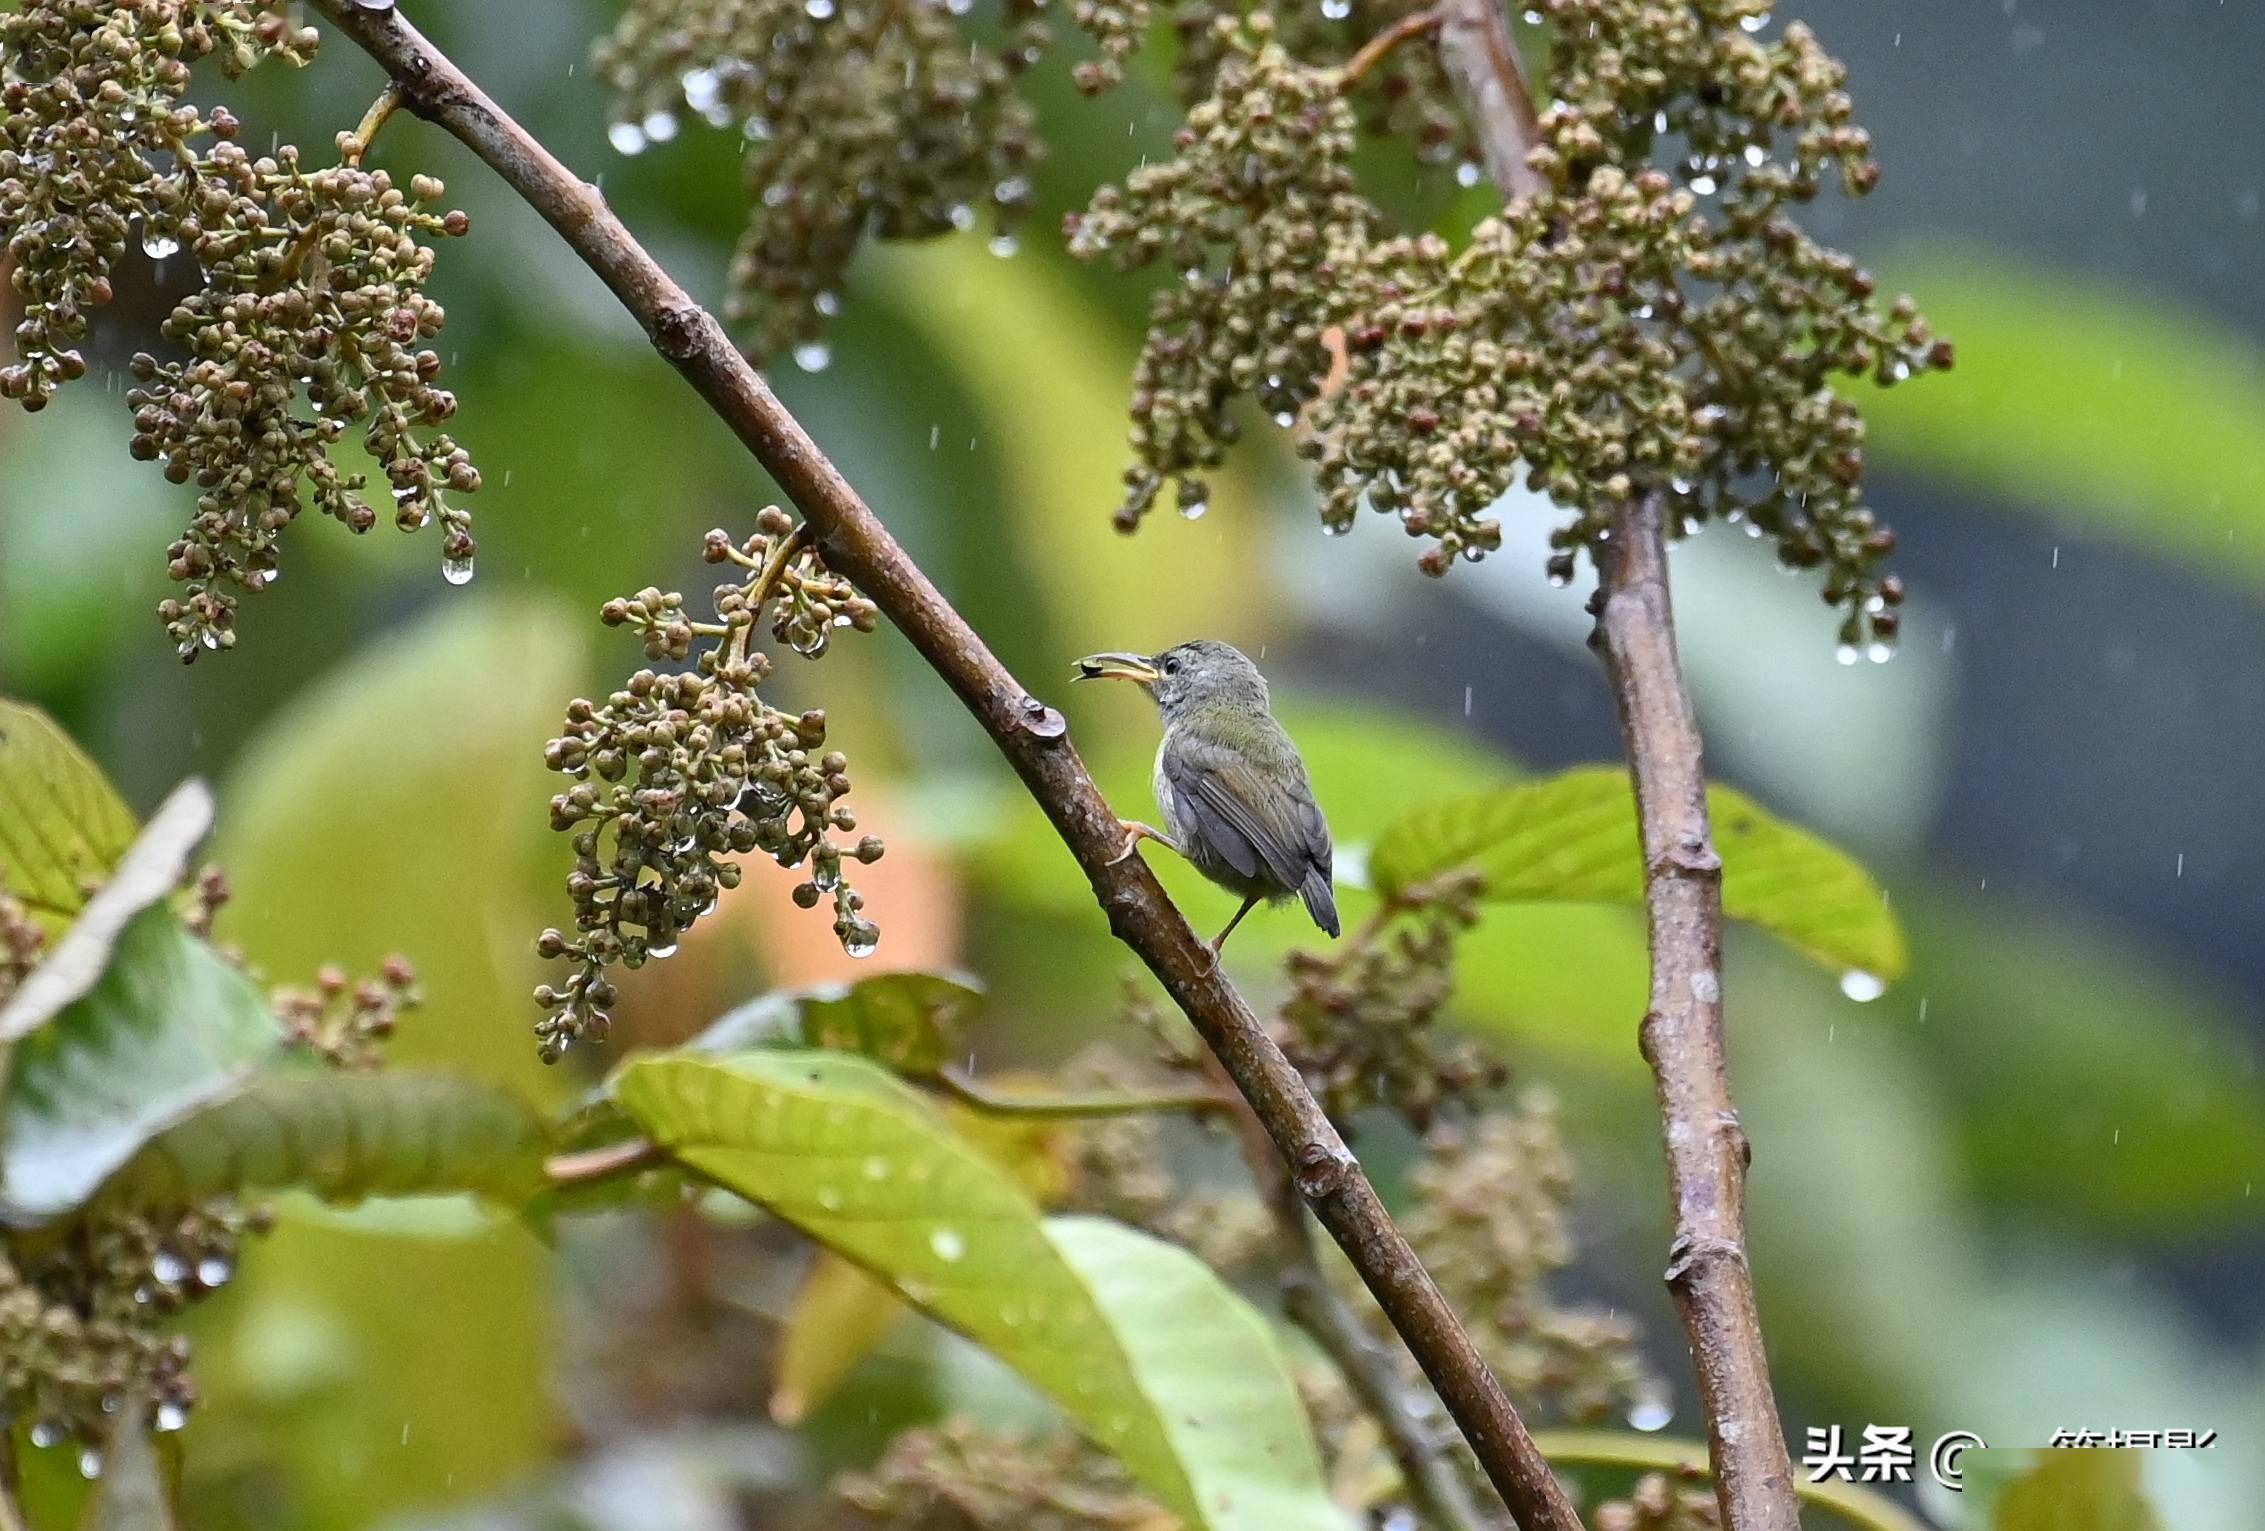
[[1135, 832]]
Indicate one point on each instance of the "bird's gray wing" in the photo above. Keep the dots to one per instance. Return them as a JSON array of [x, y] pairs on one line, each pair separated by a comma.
[[1249, 816]]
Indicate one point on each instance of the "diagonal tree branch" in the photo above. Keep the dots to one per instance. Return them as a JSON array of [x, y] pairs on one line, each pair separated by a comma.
[[1682, 1034], [1029, 733]]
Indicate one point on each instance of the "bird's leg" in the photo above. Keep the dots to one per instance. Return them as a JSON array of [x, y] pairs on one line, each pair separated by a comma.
[[1221, 939], [1135, 832]]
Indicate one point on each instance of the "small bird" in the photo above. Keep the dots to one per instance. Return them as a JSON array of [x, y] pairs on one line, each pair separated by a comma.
[[1231, 785]]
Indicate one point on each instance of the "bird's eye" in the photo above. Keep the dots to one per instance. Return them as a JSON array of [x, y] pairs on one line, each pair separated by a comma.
[[1171, 667]]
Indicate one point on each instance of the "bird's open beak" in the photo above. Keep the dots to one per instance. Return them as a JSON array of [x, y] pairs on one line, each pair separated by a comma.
[[1132, 667]]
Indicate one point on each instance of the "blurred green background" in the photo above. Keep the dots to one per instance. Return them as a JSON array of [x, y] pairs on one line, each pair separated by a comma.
[[2018, 1192]]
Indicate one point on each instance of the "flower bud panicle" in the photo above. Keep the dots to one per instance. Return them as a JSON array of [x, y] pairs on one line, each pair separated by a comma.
[[311, 287], [1652, 321], [1253, 220], [93, 140], [682, 771], [860, 116]]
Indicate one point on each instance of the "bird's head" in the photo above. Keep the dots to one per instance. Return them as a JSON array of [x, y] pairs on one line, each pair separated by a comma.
[[1201, 672]]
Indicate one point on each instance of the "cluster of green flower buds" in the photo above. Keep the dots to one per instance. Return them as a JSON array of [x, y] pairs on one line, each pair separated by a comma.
[[1358, 1021], [1639, 327], [346, 1022], [1257, 219], [1490, 1224], [314, 286], [82, 1321], [310, 319], [962, 1476], [1652, 321], [94, 139], [679, 772], [880, 116], [1660, 1502]]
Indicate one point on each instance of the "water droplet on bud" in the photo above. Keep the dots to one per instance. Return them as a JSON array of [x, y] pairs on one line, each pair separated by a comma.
[[1192, 507], [626, 138], [813, 356], [1846, 653], [818, 10], [660, 127], [457, 571]]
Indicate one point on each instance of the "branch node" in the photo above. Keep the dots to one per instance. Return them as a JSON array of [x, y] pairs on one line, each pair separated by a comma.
[[678, 330], [1039, 720], [1322, 1170], [1690, 1251]]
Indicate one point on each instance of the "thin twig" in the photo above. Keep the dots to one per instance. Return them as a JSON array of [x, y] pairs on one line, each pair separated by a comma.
[[1372, 52], [1427, 1469], [387, 103], [590, 1164], [1029, 733], [1682, 1032], [963, 1086], [1853, 1503]]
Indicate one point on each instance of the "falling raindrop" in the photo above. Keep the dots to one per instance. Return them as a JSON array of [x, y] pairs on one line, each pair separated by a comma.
[[1861, 986], [626, 138], [457, 571], [813, 356]]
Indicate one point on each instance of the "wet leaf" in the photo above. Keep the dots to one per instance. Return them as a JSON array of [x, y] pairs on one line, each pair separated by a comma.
[[168, 1027], [907, 1020], [62, 825], [838, 1315], [1137, 1341], [342, 1136], [2080, 1489], [1572, 838]]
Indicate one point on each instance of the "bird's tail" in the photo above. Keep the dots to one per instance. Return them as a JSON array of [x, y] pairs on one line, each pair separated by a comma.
[[1320, 900]]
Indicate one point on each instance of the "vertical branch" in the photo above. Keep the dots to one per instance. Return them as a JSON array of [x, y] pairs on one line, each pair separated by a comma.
[[1682, 1034], [1481, 57]]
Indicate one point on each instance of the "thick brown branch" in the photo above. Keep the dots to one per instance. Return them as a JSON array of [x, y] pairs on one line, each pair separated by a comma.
[[1029, 733], [1682, 1034], [1481, 57]]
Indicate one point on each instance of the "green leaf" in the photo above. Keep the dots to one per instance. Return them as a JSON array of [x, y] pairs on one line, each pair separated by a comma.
[[343, 1136], [168, 1027], [2077, 1489], [907, 1020], [2093, 399], [62, 825], [1142, 1347], [1572, 838]]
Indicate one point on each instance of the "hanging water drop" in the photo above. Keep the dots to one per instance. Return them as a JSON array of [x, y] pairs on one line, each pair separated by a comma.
[[863, 940], [457, 571], [1004, 245], [214, 1271], [1846, 653], [660, 127], [90, 1463], [818, 10], [1879, 652], [703, 90], [1650, 1412], [170, 1417], [169, 1268], [1861, 986], [813, 356], [157, 246], [626, 138], [1336, 10], [1192, 506], [1467, 173]]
